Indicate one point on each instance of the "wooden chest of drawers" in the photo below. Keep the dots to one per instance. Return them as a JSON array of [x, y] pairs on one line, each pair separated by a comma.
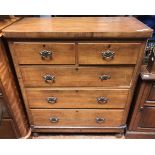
[[77, 74]]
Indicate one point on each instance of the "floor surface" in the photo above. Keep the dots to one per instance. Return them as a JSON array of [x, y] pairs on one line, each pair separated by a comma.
[[66, 136]]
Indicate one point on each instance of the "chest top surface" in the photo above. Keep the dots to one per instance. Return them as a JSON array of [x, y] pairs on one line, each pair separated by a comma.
[[6, 22], [78, 27]]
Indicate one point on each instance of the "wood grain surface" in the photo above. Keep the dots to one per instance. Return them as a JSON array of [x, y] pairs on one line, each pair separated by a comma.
[[81, 76], [7, 129], [6, 113], [6, 22], [79, 27], [11, 94], [75, 82], [77, 98], [124, 53], [77, 117], [29, 52], [147, 117]]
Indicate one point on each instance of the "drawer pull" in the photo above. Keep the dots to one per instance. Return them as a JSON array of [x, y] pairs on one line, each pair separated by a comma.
[[54, 120], [141, 109], [105, 77], [49, 78], [100, 120], [108, 55], [102, 100], [52, 100], [46, 54]]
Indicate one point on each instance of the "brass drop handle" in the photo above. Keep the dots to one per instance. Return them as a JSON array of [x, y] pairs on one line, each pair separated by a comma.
[[46, 54], [105, 77], [52, 100], [108, 55], [54, 119], [102, 100], [49, 78], [100, 120]]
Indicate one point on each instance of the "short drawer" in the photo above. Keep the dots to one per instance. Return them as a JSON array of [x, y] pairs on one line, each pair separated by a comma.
[[77, 117], [86, 98], [69, 76], [108, 53], [45, 53]]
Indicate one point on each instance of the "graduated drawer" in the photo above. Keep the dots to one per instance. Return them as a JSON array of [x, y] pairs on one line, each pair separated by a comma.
[[108, 53], [65, 98], [77, 117], [45, 53], [42, 76]]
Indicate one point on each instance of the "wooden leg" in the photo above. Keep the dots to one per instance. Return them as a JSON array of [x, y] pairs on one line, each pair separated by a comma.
[[35, 134], [119, 135]]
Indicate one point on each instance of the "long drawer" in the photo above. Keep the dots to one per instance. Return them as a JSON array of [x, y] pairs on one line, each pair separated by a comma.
[[68, 98], [77, 117], [108, 53], [48, 76], [45, 53]]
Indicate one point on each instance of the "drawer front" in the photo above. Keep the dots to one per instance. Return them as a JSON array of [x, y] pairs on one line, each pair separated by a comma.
[[147, 117], [4, 108], [108, 53], [84, 76], [76, 98], [77, 117], [45, 53], [6, 129]]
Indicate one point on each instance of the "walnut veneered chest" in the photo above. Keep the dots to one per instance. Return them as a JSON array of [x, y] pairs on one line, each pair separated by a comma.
[[77, 74]]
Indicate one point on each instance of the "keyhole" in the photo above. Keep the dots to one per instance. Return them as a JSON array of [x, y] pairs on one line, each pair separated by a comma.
[[109, 46]]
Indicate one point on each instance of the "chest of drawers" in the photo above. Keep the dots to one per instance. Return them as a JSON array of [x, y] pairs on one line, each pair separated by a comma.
[[77, 74]]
